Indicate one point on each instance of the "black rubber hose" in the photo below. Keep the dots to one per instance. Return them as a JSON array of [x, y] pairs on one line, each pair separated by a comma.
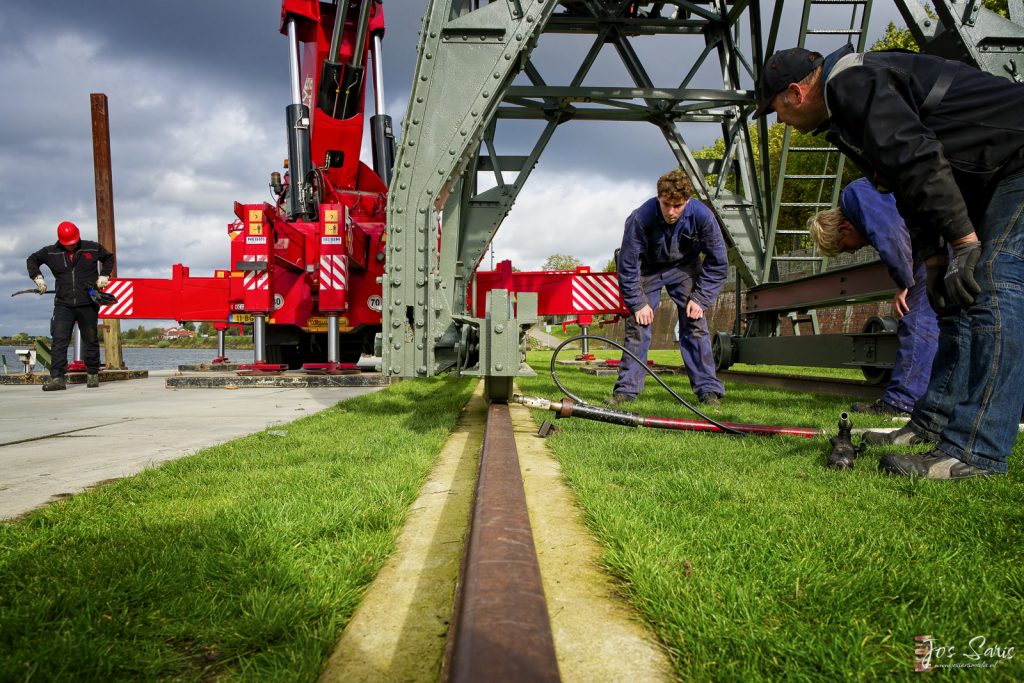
[[652, 373]]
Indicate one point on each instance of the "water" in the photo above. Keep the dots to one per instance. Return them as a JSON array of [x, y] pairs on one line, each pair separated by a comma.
[[143, 358]]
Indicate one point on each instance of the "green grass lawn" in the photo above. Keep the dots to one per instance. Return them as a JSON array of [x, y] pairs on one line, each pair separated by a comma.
[[753, 562], [242, 562], [749, 558]]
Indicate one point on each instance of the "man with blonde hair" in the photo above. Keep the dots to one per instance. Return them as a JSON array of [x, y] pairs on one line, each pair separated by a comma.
[[867, 217], [673, 242]]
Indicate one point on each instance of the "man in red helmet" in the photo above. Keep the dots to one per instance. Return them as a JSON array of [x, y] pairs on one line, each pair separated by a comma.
[[77, 265]]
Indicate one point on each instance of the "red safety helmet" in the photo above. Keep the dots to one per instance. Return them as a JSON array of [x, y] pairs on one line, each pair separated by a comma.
[[67, 233]]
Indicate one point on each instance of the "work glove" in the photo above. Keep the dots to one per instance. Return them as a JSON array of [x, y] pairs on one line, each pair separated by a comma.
[[936, 287], [961, 287], [40, 284], [102, 281]]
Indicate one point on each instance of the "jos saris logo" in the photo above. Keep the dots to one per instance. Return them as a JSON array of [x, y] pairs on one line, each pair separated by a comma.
[[977, 652]]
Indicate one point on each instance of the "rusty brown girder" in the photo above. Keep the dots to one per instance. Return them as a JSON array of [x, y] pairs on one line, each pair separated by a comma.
[[500, 629]]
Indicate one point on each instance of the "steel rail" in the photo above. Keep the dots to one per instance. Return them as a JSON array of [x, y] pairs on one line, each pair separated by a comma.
[[812, 385], [500, 629]]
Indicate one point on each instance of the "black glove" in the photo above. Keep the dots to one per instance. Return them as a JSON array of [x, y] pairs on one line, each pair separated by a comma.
[[959, 280], [935, 286]]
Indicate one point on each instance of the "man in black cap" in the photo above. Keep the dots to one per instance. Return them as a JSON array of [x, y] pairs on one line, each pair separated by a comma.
[[948, 141]]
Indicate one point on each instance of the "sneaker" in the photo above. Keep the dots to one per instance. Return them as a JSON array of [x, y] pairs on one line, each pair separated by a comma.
[[879, 407], [904, 436], [618, 399], [56, 384], [92, 381], [934, 465], [709, 398]]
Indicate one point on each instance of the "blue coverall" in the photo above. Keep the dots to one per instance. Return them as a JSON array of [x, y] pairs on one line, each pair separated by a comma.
[[874, 216], [656, 254]]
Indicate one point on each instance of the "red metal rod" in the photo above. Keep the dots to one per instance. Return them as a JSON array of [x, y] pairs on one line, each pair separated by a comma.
[[702, 426]]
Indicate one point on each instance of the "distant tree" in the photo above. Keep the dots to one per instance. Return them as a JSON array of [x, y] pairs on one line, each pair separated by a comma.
[[1000, 7], [896, 38], [561, 262], [610, 267], [206, 329]]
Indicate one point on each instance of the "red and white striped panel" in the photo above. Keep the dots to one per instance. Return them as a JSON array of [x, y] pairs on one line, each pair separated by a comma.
[[334, 272], [595, 292], [255, 279], [124, 290]]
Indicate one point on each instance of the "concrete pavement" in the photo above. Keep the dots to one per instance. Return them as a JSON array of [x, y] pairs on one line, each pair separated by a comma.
[[56, 444]]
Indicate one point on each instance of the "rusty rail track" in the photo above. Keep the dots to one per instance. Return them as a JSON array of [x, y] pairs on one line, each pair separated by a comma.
[[500, 630], [812, 385]]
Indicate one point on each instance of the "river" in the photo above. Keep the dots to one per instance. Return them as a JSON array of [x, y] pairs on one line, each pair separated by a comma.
[[143, 358]]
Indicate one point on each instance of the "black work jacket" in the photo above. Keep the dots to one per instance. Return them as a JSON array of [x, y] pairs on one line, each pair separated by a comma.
[[75, 273], [941, 156]]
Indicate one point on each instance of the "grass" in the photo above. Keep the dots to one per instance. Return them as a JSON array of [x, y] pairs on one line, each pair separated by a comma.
[[242, 562], [753, 562]]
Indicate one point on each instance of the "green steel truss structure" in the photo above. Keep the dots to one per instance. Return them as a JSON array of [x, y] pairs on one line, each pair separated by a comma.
[[475, 77]]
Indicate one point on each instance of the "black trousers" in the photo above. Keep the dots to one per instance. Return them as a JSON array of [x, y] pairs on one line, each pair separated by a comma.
[[62, 324]]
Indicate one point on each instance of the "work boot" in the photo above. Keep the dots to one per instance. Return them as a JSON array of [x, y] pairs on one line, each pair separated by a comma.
[[618, 399], [710, 398], [879, 407], [904, 436], [934, 465], [92, 381], [56, 384]]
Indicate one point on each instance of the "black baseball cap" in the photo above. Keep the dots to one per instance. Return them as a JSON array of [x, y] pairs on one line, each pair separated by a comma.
[[781, 69]]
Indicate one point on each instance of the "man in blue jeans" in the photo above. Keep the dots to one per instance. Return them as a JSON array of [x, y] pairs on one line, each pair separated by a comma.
[[662, 247], [866, 217], [948, 141]]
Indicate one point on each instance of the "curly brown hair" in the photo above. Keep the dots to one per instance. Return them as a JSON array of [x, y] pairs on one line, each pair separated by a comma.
[[675, 185]]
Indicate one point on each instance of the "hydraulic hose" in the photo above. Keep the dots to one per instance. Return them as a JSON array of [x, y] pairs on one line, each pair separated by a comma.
[[721, 427], [574, 406], [569, 408]]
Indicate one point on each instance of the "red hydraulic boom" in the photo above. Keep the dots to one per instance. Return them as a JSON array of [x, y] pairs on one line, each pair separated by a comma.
[[303, 270]]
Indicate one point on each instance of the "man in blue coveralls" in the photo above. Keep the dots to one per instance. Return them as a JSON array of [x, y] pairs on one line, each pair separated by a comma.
[[865, 216], [662, 247]]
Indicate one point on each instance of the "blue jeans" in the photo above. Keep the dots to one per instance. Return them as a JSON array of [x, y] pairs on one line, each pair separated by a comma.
[[694, 340], [62, 324], [974, 399], [918, 335]]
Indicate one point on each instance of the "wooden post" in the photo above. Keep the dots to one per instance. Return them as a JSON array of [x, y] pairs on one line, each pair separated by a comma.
[[105, 215]]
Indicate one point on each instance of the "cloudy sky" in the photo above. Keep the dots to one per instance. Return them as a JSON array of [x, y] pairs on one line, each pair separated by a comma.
[[197, 91]]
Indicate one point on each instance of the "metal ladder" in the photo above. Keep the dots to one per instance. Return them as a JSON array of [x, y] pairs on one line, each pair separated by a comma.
[[827, 158]]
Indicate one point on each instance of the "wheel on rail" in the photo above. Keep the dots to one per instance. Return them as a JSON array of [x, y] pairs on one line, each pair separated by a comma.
[[723, 350], [878, 324]]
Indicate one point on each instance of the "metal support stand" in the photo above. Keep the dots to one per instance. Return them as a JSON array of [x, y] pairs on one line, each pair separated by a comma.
[[259, 338], [332, 338], [77, 365], [332, 366]]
